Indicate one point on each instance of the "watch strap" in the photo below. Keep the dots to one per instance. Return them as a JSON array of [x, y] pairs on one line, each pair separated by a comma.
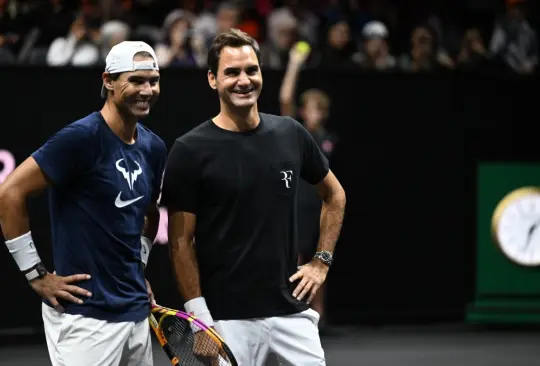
[[32, 275], [38, 271]]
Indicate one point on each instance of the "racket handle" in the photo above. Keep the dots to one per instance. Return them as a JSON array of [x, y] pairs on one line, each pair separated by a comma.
[[169, 353], [154, 325]]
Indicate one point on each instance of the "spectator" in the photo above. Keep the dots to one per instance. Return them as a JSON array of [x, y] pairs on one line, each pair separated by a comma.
[[282, 34], [79, 47], [355, 10], [199, 48], [514, 41], [227, 16], [112, 33], [343, 34], [307, 23], [176, 48], [424, 55], [339, 51], [9, 37], [249, 20], [473, 54], [376, 55]]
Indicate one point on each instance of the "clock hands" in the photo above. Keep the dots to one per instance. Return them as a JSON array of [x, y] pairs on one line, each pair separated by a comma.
[[530, 233]]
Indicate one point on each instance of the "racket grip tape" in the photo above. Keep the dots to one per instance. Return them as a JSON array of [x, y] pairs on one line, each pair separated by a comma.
[[172, 357]]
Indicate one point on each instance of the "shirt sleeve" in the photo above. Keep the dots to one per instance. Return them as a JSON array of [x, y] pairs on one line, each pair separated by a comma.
[[180, 179], [315, 165], [66, 155]]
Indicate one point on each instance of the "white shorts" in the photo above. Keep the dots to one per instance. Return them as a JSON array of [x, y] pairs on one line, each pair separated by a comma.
[[75, 340], [294, 339]]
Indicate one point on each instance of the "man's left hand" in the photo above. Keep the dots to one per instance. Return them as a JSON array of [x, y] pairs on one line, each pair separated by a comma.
[[150, 292], [313, 275]]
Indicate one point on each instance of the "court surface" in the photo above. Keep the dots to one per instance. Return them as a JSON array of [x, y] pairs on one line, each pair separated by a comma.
[[382, 346]]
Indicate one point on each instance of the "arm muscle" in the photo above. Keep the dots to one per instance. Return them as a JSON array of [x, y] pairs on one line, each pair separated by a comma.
[[27, 180], [182, 253], [332, 212]]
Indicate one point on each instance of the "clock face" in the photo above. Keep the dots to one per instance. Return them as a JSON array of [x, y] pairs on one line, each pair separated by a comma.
[[516, 226]]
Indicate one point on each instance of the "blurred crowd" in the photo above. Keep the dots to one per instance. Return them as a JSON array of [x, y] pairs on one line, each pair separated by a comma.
[[380, 35]]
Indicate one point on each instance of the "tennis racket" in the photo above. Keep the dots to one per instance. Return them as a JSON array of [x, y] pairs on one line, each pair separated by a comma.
[[184, 347]]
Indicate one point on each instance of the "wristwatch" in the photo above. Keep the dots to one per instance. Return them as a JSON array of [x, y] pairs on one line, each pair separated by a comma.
[[38, 271], [325, 257]]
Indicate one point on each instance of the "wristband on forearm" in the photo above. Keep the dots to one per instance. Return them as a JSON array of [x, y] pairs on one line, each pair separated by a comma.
[[146, 247], [197, 307], [26, 256], [24, 251]]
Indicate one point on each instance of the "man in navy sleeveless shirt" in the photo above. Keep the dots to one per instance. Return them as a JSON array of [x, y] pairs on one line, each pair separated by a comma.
[[104, 173]]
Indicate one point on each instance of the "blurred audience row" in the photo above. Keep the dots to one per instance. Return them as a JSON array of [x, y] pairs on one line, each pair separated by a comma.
[[342, 34]]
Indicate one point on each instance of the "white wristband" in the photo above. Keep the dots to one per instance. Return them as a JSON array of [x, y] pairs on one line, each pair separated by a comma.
[[197, 307], [146, 247], [23, 251]]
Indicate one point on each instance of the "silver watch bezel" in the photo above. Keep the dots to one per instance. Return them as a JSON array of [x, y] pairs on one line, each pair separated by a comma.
[[325, 257]]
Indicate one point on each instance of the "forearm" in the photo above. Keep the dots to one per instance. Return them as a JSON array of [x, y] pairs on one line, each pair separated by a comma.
[[186, 269], [288, 88], [149, 232], [151, 223], [16, 230], [333, 209], [13, 216]]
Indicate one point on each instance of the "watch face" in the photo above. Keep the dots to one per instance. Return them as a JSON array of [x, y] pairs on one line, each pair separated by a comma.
[[516, 226], [41, 269], [325, 257]]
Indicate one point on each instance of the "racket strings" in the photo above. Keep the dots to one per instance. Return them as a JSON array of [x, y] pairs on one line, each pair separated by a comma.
[[190, 349]]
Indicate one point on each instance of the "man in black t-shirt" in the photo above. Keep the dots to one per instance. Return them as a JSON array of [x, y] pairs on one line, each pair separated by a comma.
[[230, 187]]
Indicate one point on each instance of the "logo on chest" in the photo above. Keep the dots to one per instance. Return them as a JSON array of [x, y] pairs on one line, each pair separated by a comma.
[[131, 178], [286, 177]]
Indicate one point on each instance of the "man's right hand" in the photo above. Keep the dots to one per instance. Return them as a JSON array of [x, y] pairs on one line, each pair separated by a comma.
[[51, 287]]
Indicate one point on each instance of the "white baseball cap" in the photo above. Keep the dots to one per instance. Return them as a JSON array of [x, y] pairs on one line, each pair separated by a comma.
[[120, 59], [375, 29]]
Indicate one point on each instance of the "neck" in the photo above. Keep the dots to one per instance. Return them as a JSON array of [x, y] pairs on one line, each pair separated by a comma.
[[237, 119], [123, 126]]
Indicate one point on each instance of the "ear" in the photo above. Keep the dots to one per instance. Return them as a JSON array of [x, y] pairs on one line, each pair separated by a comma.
[[107, 81], [212, 80]]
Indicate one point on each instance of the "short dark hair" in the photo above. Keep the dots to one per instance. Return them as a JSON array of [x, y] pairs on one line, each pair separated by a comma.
[[144, 54], [231, 38]]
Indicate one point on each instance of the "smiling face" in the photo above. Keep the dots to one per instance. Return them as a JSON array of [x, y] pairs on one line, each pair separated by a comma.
[[239, 79], [134, 92]]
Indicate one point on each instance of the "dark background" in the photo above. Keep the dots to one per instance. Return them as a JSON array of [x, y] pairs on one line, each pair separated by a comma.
[[407, 157]]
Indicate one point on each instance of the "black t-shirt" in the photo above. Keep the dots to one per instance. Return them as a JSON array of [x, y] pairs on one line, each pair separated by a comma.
[[243, 188]]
